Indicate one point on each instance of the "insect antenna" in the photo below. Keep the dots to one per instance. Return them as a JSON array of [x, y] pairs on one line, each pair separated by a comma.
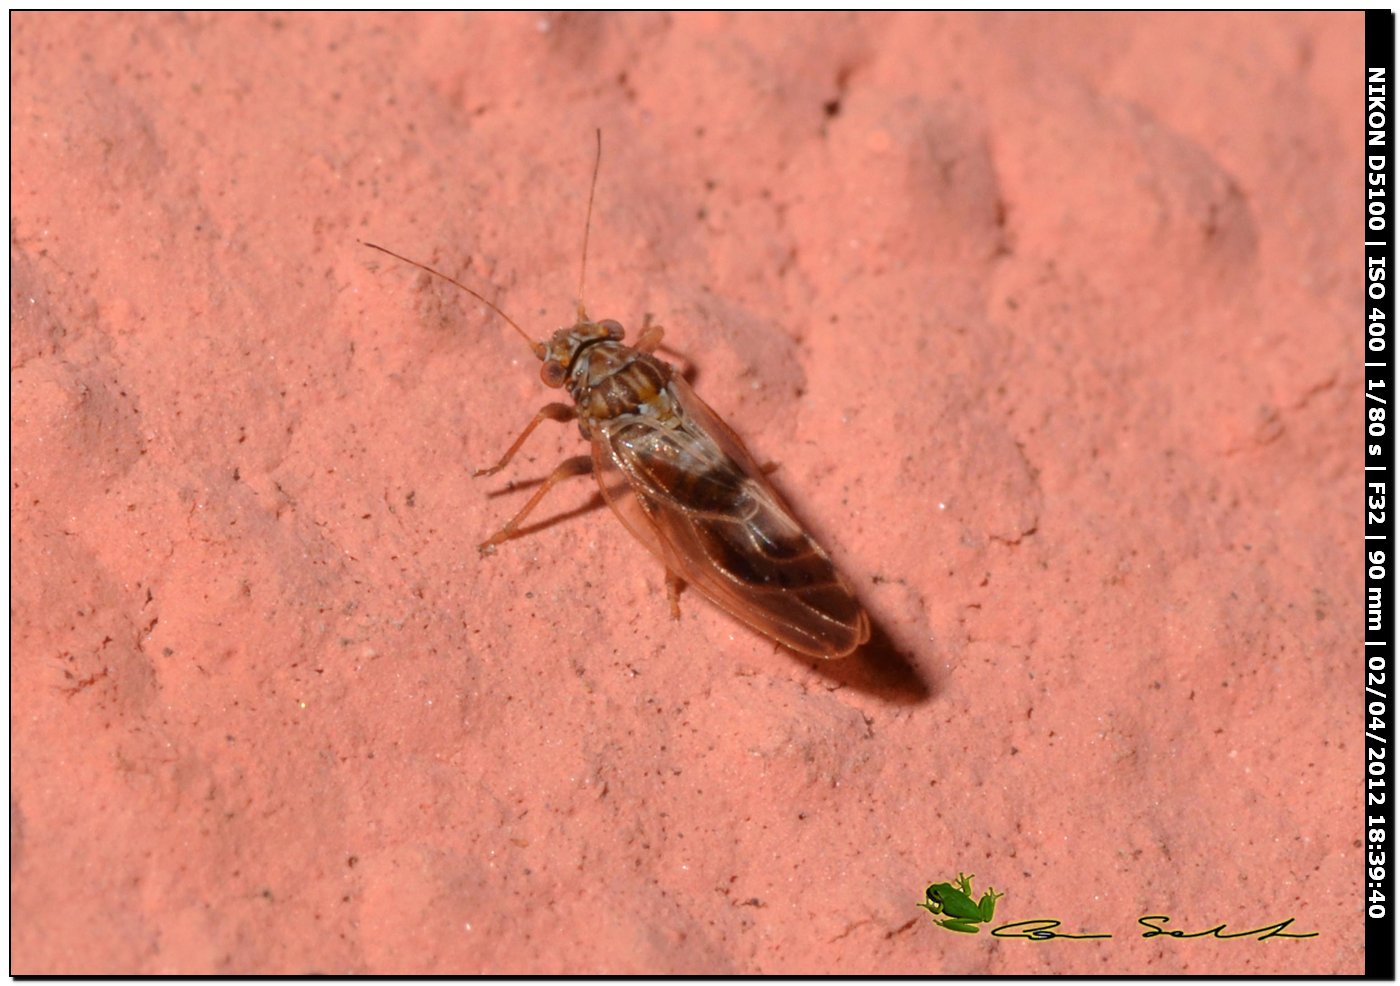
[[588, 222], [535, 347]]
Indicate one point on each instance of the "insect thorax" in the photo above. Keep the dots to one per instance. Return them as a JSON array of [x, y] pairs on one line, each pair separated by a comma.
[[610, 380]]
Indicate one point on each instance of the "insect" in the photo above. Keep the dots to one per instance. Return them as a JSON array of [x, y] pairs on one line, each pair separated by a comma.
[[681, 481]]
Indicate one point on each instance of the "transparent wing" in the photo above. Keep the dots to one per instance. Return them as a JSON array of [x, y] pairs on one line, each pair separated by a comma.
[[694, 496]]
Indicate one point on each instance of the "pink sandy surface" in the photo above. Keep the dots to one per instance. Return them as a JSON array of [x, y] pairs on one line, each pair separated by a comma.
[[1049, 321]]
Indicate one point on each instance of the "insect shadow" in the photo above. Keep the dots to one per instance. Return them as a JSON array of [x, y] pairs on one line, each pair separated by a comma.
[[594, 502], [880, 669]]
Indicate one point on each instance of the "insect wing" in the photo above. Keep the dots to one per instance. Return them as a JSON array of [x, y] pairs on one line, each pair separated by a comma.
[[694, 496]]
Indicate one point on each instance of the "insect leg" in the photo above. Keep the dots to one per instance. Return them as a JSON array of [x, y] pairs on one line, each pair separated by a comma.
[[555, 412], [577, 466], [651, 336], [650, 341]]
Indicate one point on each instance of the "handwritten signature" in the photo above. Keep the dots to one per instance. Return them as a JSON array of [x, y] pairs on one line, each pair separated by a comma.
[[1043, 929]]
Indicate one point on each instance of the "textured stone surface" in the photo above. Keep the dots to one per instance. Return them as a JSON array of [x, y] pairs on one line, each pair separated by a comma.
[[1049, 321]]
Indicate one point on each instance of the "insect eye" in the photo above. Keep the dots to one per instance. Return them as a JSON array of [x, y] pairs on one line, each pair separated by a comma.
[[613, 326], [552, 374]]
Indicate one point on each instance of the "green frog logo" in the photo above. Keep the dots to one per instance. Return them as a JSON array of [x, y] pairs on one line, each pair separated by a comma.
[[954, 902]]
